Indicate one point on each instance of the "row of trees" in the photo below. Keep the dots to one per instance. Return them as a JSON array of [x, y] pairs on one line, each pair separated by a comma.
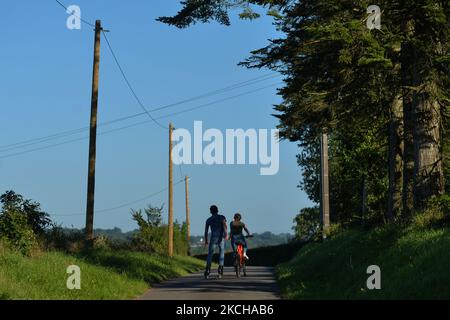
[[381, 95], [25, 227]]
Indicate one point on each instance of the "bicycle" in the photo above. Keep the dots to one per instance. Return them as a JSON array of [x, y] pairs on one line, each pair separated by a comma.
[[239, 260]]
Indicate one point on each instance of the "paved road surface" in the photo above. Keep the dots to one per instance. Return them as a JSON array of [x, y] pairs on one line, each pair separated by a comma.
[[260, 284]]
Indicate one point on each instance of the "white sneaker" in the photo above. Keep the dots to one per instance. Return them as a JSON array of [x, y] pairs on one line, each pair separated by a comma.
[[246, 256]]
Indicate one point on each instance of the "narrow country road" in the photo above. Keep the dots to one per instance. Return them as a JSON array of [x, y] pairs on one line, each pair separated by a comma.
[[260, 284]]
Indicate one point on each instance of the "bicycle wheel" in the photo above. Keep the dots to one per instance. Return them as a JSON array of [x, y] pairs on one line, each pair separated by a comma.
[[238, 265]]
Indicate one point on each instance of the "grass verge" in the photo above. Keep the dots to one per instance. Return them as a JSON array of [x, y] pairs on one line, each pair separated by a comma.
[[414, 264], [105, 274]]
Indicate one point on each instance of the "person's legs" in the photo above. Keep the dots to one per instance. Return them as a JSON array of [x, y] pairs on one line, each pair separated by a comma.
[[244, 241], [210, 254], [221, 245], [244, 244], [233, 245]]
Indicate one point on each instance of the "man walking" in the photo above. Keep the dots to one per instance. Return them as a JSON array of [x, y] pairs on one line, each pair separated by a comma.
[[218, 225]]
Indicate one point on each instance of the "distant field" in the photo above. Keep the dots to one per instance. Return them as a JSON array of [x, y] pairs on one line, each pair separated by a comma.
[[259, 240], [264, 256], [104, 274]]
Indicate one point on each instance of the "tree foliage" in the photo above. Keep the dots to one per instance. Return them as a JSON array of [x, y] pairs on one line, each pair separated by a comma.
[[31, 211], [341, 77], [307, 224], [152, 235], [203, 11], [22, 222]]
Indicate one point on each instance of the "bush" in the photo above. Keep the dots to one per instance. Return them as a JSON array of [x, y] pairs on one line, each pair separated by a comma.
[[16, 232], [74, 241], [334, 229], [58, 238], [102, 242], [436, 213], [2, 248], [155, 239], [151, 239], [38, 220], [180, 243], [22, 222], [307, 224], [153, 235]]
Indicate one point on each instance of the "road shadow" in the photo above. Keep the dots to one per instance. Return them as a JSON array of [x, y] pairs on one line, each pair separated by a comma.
[[260, 280]]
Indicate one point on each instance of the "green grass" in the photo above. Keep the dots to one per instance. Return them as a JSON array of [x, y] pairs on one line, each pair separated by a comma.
[[104, 274], [414, 262]]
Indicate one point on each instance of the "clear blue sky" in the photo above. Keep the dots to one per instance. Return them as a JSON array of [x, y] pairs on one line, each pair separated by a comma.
[[45, 88]]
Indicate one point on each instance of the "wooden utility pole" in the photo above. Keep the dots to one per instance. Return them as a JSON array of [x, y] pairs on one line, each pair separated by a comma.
[[324, 182], [170, 242], [93, 135], [188, 219]]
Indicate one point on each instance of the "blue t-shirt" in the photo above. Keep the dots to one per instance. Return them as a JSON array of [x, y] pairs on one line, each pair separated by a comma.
[[216, 222]]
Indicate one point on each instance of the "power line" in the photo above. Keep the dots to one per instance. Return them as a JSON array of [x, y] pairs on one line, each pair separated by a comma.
[[41, 148], [138, 123], [221, 100], [63, 134], [21, 144], [122, 205], [133, 92], [141, 104], [72, 13], [220, 91], [181, 171], [35, 141]]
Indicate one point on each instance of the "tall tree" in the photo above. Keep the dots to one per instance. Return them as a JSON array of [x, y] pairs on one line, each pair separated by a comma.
[[341, 76], [425, 57], [396, 154]]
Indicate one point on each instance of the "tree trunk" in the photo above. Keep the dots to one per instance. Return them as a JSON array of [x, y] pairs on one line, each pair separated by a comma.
[[446, 148], [324, 180], [395, 158], [408, 158], [408, 141], [428, 168], [363, 198], [426, 119]]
